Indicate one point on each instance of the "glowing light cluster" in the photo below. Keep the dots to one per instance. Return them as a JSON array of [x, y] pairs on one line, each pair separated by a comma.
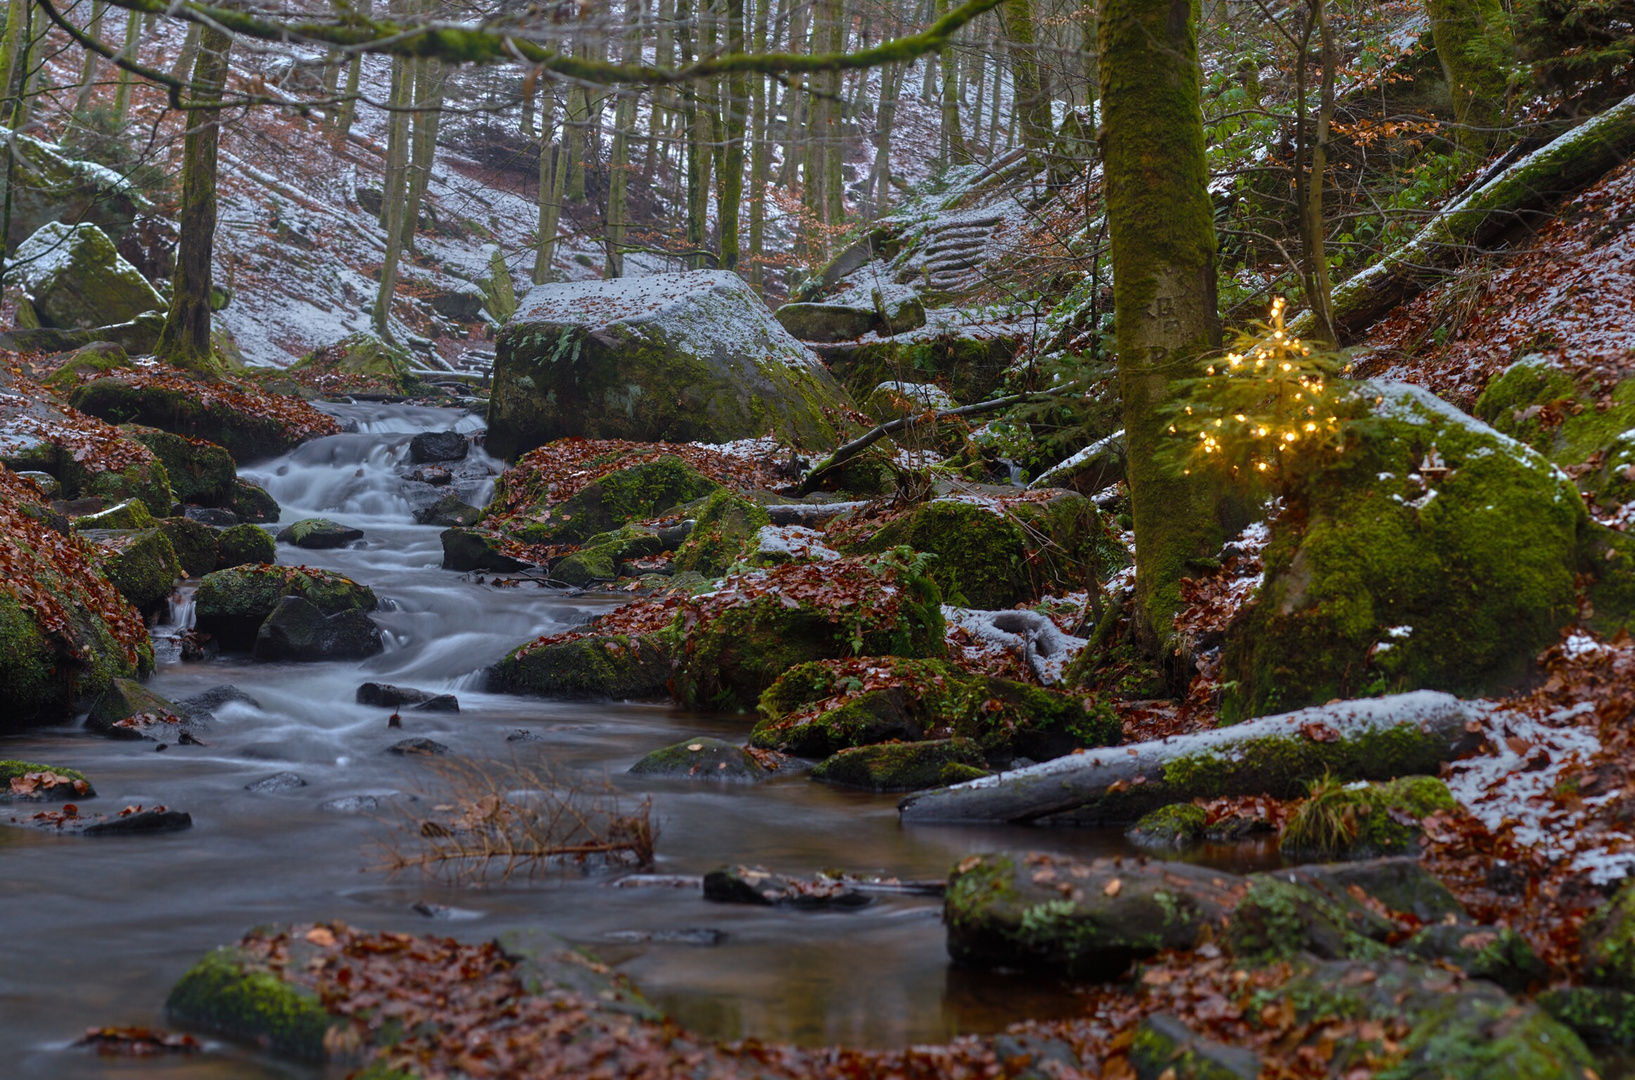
[[1271, 396]]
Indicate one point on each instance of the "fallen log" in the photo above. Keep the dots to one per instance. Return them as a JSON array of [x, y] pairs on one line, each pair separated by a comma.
[[1519, 194], [1375, 739]]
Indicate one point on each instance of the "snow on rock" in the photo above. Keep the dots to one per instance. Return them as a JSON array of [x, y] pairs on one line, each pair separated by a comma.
[[792, 543], [1044, 647]]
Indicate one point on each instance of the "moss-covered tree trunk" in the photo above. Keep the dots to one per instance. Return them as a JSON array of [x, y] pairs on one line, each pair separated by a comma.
[[834, 134], [122, 92], [428, 100], [185, 339], [1029, 82], [88, 71], [394, 194], [1311, 164], [552, 181], [13, 63], [760, 157], [891, 81], [1474, 44], [1163, 251], [950, 139]]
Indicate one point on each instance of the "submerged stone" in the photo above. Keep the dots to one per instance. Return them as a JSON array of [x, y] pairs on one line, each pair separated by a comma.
[[700, 759]]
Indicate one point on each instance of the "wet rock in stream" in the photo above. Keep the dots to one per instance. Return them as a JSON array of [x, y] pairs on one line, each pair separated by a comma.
[[754, 885], [284, 781], [298, 629], [701, 759], [418, 747], [429, 446], [319, 533], [391, 697]]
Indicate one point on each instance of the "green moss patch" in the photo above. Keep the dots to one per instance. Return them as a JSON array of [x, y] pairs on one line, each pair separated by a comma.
[[616, 666], [901, 766], [1363, 820], [1179, 825]]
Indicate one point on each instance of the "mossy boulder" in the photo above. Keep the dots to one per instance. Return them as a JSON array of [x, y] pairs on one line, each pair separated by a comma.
[[76, 279], [1080, 918], [475, 549], [195, 544], [1607, 947], [366, 358], [250, 425], [739, 641], [1179, 825], [1596, 1014], [200, 472], [1163, 1046], [725, 530], [234, 994], [981, 556], [903, 766], [299, 629], [820, 708], [1495, 953], [602, 555], [448, 512], [829, 322], [318, 534], [619, 498], [252, 504], [701, 759], [615, 666], [65, 630], [245, 545], [1439, 1025], [1363, 820], [130, 514], [97, 358], [894, 399], [126, 700], [969, 360], [1435, 552], [663, 358], [46, 185], [140, 562], [61, 784], [232, 604]]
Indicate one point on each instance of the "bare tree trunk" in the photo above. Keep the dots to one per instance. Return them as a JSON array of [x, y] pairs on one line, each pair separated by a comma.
[[122, 92], [1030, 82], [428, 98], [185, 339], [951, 140], [891, 82], [552, 179], [1311, 162], [834, 158], [618, 170], [190, 49], [732, 161], [394, 193], [88, 71], [760, 150]]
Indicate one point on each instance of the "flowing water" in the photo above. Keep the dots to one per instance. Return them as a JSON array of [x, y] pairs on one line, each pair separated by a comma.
[[95, 931]]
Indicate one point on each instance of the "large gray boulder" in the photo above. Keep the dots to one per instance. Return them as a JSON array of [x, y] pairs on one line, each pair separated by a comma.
[[46, 185], [77, 279], [670, 357]]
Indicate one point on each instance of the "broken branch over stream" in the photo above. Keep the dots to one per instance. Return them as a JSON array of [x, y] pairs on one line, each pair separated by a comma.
[[1378, 739]]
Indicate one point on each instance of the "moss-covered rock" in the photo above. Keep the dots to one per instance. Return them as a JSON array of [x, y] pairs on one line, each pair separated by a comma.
[[232, 993], [366, 358], [1607, 947], [54, 783], [1435, 552], [613, 666], [1596, 1014], [65, 630], [1284, 917], [1495, 953], [252, 504], [1455, 1029], [448, 512], [981, 557], [475, 549], [194, 542], [245, 545], [1179, 825], [667, 357], [299, 629], [232, 604], [140, 562], [1363, 820], [1165, 1047], [700, 759], [901, 766], [970, 361], [200, 472], [130, 514], [97, 358], [740, 640], [319, 533], [725, 530], [602, 555], [76, 278], [249, 424], [126, 700], [633, 494], [894, 399], [46, 185], [819, 708], [1080, 918]]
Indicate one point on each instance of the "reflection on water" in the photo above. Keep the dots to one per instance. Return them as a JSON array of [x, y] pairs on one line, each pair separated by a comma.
[[97, 930]]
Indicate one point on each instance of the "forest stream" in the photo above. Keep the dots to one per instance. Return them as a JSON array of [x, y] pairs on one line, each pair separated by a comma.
[[130, 914]]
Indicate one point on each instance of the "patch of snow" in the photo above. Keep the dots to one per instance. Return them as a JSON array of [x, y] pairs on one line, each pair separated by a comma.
[[1065, 468], [1043, 646], [794, 542]]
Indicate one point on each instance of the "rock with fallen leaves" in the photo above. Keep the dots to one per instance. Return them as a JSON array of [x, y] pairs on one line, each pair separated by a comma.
[[738, 639], [31, 781], [65, 631], [756, 885], [822, 707], [141, 563], [1088, 919], [614, 666], [900, 766], [701, 759]]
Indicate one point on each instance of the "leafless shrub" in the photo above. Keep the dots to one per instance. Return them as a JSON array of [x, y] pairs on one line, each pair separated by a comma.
[[494, 818]]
